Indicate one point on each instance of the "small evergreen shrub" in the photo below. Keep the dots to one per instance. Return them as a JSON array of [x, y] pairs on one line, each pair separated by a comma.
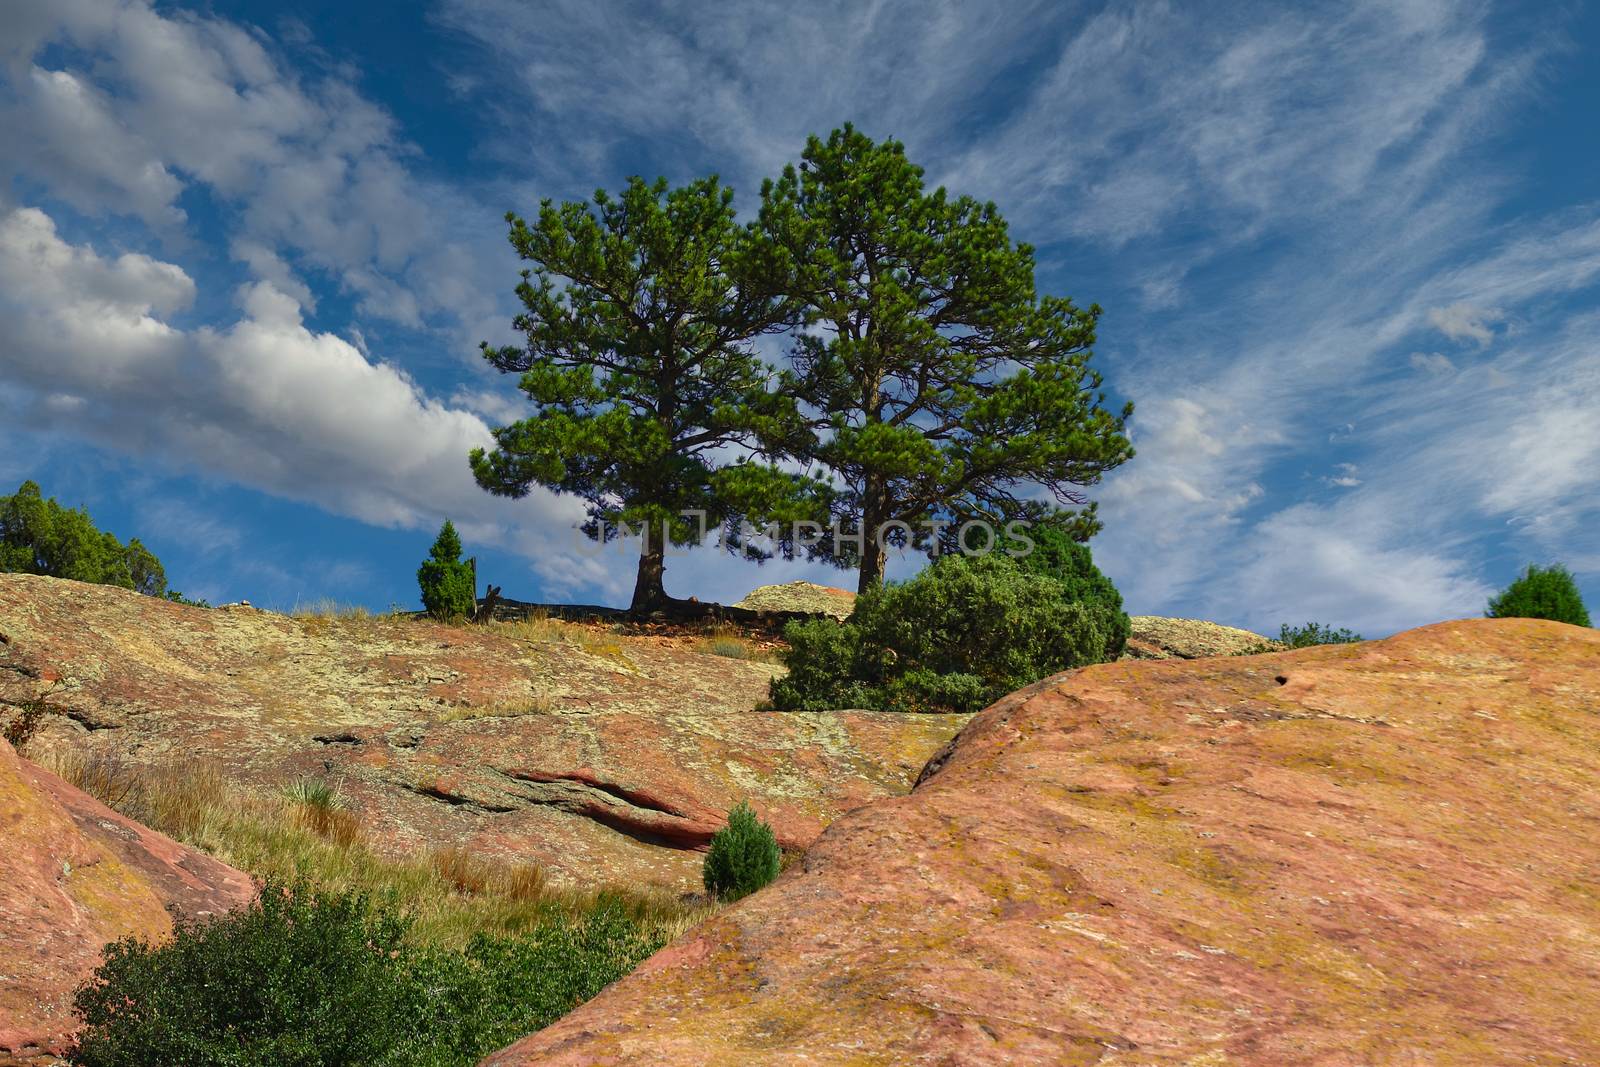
[[957, 637], [1314, 633], [744, 856], [1541, 593], [306, 978], [446, 581]]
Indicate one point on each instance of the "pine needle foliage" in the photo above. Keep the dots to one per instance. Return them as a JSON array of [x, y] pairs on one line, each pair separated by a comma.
[[446, 581], [744, 856]]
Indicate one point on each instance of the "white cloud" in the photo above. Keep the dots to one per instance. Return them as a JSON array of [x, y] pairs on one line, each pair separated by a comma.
[[149, 103], [1355, 565], [1464, 322], [1346, 478], [1433, 362], [1306, 180], [263, 401]]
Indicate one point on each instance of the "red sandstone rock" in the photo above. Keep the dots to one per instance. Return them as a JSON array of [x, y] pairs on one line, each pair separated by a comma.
[[604, 757], [1386, 853], [73, 876]]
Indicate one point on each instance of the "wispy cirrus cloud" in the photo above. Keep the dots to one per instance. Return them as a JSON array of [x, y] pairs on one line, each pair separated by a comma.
[[1358, 376]]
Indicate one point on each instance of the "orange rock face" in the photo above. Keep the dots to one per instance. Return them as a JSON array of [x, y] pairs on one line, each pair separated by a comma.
[[1385, 853], [604, 757], [73, 876]]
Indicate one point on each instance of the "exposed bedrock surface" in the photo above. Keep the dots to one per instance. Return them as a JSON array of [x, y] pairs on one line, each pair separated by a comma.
[[1386, 853], [604, 757]]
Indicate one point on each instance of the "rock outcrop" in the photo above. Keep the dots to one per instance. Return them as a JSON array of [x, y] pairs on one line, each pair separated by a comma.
[[76, 875], [1381, 853], [1158, 637], [800, 596], [603, 756]]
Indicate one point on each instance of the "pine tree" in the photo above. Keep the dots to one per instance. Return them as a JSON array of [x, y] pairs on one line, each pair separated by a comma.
[[744, 856], [447, 584], [640, 366], [39, 536], [945, 388]]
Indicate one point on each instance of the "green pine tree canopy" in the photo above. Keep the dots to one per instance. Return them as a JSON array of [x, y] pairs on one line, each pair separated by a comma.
[[944, 387], [929, 382], [642, 371]]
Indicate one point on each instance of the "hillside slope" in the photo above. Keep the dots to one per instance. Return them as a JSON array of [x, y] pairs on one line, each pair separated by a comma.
[[1386, 853], [604, 757]]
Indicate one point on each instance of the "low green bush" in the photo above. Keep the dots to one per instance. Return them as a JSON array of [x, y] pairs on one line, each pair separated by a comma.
[[1314, 633], [1541, 593], [1057, 555], [744, 856], [958, 636], [302, 978]]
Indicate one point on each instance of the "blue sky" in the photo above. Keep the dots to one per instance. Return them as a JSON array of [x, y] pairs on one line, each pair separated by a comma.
[[1349, 256]]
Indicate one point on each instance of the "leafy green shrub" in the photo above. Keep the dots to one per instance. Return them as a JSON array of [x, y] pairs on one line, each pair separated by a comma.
[[957, 637], [1056, 554], [193, 602], [1541, 593], [305, 978], [447, 585], [744, 856], [39, 536], [1314, 633]]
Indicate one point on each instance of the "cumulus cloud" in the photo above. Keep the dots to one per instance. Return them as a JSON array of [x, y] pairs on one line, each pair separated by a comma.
[[263, 401], [147, 104]]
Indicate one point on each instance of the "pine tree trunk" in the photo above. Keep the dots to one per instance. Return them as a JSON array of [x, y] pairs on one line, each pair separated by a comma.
[[872, 563], [873, 557], [649, 592]]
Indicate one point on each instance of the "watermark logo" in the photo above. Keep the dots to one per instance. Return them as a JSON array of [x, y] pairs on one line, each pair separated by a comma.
[[934, 537]]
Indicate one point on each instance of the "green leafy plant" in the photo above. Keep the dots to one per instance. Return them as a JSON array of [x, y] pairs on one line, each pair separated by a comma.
[[301, 977], [958, 636], [446, 581], [39, 536], [744, 856], [1058, 552], [193, 602], [1315, 633], [1541, 593]]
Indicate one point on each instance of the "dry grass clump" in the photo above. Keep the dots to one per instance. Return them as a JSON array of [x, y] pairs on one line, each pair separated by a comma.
[[726, 639], [308, 829], [178, 799], [477, 875], [329, 608], [318, 806], [540, 628], [536, 704]]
